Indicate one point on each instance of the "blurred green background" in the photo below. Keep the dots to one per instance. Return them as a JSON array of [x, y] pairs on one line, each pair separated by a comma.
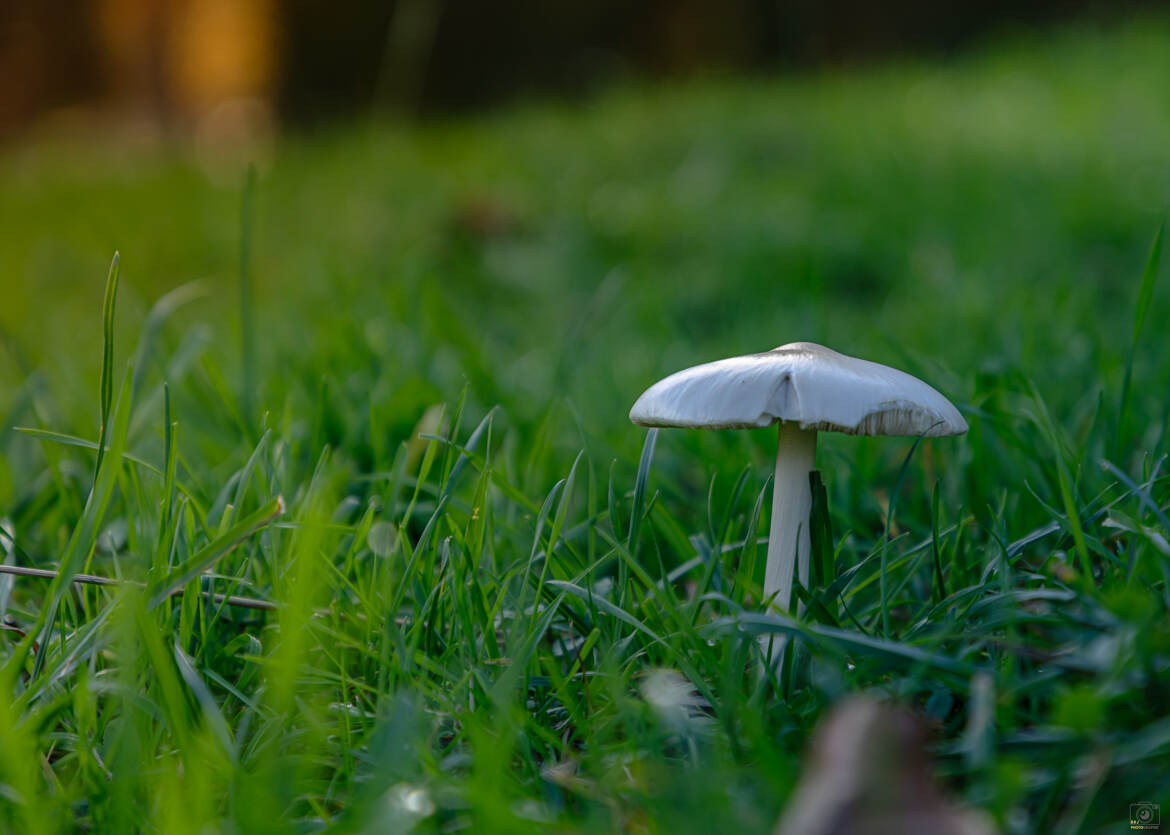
[[985, 216]]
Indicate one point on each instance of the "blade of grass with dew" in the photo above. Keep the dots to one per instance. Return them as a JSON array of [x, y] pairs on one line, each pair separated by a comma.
[[762, 623]]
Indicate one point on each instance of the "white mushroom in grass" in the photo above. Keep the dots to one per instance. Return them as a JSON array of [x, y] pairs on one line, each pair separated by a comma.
[[805, 388]]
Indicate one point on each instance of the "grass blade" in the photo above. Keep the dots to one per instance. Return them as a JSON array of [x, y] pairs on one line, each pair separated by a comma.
[[885, 543], [247, 313], [640, 491], [214, 551], [83, 540], [1141, 309], [940, 589], [107, 378]]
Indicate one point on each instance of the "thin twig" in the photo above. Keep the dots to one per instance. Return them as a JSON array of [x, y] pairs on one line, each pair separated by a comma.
[[94, 580], [229, 599]]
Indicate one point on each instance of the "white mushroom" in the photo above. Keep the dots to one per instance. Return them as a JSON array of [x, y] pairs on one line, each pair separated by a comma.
[[804, 387]]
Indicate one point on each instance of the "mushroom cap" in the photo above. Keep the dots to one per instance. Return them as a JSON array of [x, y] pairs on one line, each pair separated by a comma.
[[804, 383]]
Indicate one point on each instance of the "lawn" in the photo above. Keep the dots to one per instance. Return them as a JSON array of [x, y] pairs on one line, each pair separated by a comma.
[[385, 388]]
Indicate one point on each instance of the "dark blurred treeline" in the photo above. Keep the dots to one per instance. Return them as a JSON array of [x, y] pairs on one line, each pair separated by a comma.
[[172, 60]]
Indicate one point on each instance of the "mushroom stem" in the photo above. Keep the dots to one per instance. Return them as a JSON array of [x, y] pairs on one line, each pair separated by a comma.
[[788, 539]]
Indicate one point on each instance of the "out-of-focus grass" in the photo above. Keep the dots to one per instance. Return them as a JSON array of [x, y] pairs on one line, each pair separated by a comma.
[[450, 324]]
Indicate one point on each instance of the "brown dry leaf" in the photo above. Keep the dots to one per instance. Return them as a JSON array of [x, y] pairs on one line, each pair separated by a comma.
[[868, 774]]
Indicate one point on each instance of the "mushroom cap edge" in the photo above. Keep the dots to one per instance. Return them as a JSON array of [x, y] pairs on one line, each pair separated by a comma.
[[800, 382]]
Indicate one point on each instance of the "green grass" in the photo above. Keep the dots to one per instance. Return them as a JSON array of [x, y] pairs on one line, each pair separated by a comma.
[[416, 446]]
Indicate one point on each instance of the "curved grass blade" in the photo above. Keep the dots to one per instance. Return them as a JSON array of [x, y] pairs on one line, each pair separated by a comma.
[[758, 623], [1141, 308], [640, 491], [84, 537], [606, 606], [883, 591]]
